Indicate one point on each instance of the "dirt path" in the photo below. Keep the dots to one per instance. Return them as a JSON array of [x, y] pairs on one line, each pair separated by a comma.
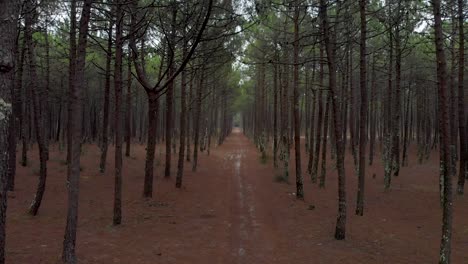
[[253, 237], [231, 211]]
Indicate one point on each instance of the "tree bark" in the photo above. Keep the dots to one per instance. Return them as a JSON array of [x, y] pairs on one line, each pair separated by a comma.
[[363, 112], [323, 172], [447, 215], [128, 108], [340, 230], [183, 111], [29, 21], [196, 121], [151, 145], [463, 171], [297, 120], [117, 217], [9, 14], [73, 174], [105, 123]]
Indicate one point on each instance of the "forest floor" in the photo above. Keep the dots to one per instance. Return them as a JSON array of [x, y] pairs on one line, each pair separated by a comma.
[[232, 211]]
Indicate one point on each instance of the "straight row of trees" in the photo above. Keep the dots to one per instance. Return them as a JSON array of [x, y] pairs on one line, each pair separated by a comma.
[[363, 76], [112, 72]]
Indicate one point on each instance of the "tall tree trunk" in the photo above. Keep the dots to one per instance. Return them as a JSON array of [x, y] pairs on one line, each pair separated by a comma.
[[373, 112], [463, 171], [105, 123], [318, 131], [363, 113], [340, 231], [387, 152], [397, 102], [9, 14], [73, 174], [151, 145], [170, 95], [445, 245], [183, 113], [71, 74], [196, 125], [128, 113], [117, 218], [452, 91], [297, 120], [189, 116], [323, 172], [16, 122], [45, 93], [275, 115]]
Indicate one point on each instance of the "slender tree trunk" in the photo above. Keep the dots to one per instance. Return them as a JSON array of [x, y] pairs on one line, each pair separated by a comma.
[[452, 92], [45, 97], [397, 103], [151, 145], [128, 121], [105, 123], [404, 159], [323, 173], [463, 171], [170, 96], [363, 113], [117, 218], [196, 126], [387, 153], [340, 231], [297, 120], [71, 74], [275, 116], [445, 246], [373, 114], [73, 174], [189, 117], [183, 113], [318, 131]]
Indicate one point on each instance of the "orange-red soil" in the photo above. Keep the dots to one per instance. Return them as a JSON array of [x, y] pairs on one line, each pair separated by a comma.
[[232, 211]]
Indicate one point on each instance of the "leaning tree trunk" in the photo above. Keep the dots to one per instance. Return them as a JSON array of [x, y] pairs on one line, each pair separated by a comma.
[[36, 203]]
